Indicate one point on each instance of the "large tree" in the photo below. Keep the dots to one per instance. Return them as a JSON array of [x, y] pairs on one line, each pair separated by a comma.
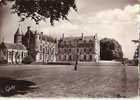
[[110, 49], [39, 10]]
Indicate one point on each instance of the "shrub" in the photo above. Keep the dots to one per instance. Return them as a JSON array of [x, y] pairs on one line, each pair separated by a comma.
[[28, 60], [3, 61], [136, 62]]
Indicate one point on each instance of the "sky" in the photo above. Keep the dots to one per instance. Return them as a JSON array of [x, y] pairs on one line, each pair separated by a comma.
[[118, 19]]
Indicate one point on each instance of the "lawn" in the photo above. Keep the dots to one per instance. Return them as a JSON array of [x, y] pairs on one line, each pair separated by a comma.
[[63, 81]]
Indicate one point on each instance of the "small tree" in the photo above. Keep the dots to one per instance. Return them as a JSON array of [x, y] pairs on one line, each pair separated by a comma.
[[136, 54], [28, 60], [110, 49]]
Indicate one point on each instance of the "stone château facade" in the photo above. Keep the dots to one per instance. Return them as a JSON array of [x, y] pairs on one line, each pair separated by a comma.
[[86, 48], [12, 53], [43, 48], [40, 46]]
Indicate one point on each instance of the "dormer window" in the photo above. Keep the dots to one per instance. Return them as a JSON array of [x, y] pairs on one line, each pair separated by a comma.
[[84, 41], [90, 41]]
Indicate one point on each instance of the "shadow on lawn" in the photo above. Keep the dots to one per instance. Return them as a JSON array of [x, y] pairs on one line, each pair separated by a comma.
[[10, 87]]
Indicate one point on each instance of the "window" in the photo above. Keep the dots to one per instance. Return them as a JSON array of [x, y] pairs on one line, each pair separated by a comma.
[[64, 50], [59, 50], [40, 47], [84, 41], [40, 56], [84, 49], [64, 57], [25, 54], [53, 50], [64, 42], [70, 58], [69, 50], [22, 54], [69, 42], [10, 55], [84, 57], [90, 57], [90, 50], [43, 50], [77, 50], [59, 57], [90, 41]]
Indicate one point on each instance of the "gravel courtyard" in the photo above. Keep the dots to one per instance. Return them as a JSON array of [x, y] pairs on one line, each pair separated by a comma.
[[63, 81]]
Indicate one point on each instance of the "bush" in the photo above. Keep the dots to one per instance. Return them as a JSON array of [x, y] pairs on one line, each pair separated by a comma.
[[136, 62], [3, 61], [28, 60]]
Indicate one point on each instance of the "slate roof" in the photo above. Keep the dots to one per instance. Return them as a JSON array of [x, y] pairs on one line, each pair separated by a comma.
[[78, 38], [18, 32], [13, 46], [48, 38]]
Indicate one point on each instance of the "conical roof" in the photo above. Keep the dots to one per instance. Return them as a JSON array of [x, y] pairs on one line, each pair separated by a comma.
[[18, 32]]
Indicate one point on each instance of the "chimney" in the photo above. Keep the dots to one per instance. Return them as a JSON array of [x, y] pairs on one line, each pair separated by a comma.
[[28, 28], [82, 35], [41, 35], [63, 36], [95, 36]]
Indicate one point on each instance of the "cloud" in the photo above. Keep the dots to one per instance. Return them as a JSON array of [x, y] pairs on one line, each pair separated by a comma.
[[120, 24], [108, 20]]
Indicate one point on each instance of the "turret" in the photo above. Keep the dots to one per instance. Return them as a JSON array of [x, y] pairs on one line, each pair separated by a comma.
[[97, 45], [37, 41], [18, 36], [41, 36], [63, 36], [82, 35]]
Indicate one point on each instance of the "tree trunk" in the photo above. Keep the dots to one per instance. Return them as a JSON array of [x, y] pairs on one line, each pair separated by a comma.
[[76, 63]]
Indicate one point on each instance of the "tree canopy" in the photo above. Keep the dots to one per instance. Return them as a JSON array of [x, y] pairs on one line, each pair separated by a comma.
[[110, 49], [39, 10]]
